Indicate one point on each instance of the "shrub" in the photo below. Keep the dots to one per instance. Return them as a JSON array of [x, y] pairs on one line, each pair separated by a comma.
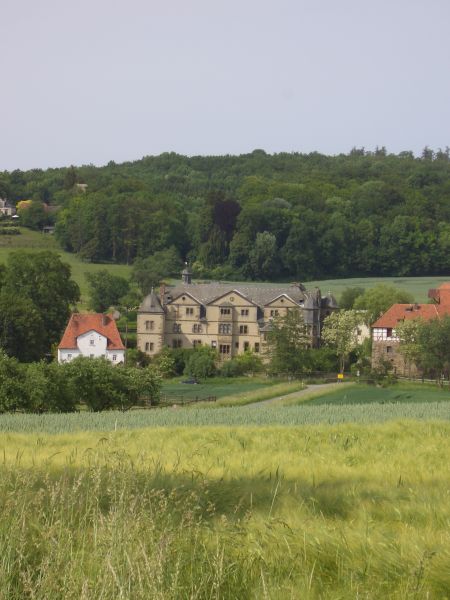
[[245, 363], [201, 363]]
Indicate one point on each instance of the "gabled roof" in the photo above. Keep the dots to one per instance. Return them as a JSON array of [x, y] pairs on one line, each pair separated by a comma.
[[81, 323], [259, 295], [405, 312]]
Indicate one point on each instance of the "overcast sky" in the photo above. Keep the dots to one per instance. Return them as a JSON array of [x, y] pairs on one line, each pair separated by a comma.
[[88, 81]]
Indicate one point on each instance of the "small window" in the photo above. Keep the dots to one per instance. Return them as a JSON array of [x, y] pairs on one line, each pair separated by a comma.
[[224, 348], [243, 329], [69, 356], [225, 311], [213, 344], [389, 332], [189, 311], [389, 349], [177, 343], [152, 345], [196, 343], [196, 328], [246, 346], [149, 325], [91, 342], [256, 346], [244, 312], [176, 328], [147, 346], [114, 357], [236, 345], [274, 313]]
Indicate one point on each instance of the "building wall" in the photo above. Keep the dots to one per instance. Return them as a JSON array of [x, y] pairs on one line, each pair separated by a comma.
[[92, 345], [229, 324], [386, 350]]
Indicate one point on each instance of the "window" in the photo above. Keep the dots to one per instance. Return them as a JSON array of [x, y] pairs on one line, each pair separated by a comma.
[[224, 349], [91, 356], [114, 357], [91, 342], [176, 328], [213, 344], [149, 325], [225, 311], [149, 346], [69, 357], [196, 343], [274, 313], [256, 346], [246, 346], [236, 345], [389, 349], [243, 329], [189, 311], [244, 312], [389, 332], [152, 345], [225, 328], [196, 328], [177, 343]]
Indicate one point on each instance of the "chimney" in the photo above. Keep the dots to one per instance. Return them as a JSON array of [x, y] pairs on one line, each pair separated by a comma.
[[105, 320]]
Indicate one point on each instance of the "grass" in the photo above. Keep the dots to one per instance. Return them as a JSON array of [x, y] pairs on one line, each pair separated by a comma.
[[369, 394], [316, 512], [34, 241], [217, 386]]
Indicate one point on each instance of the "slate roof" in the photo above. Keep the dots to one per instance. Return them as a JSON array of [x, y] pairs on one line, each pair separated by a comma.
[[206, 293], [151, 304], [80, 323]]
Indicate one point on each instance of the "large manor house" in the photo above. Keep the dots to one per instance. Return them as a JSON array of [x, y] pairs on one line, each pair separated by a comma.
[[232, 319]]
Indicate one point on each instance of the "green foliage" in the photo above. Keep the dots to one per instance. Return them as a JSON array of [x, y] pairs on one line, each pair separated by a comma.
[[105, 289], [378, 299], [348, 297], [149, 272], [287, 345], [201, 363], [340, 332], [242, 364], [36, 294], [33, 215], [11, 384], [361, 213]]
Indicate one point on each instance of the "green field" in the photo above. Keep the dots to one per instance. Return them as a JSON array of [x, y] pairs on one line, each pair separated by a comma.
[[216, 386], [33, 241], [315, 512]]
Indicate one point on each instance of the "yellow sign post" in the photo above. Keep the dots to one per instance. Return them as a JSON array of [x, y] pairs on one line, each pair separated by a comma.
[[340, 376]]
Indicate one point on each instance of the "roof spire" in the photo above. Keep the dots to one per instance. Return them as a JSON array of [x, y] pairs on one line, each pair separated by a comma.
[[186, 275]]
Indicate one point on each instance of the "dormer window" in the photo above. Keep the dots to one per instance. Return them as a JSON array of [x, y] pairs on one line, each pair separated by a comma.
[[225, 311]]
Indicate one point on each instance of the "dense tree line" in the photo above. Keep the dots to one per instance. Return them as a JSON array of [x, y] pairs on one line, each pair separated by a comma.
[[259, 216]]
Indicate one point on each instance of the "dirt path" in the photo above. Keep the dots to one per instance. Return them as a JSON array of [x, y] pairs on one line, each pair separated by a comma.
[[307, 390]]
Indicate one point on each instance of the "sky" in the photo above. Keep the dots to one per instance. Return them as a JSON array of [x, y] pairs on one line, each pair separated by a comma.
[[89, 81]]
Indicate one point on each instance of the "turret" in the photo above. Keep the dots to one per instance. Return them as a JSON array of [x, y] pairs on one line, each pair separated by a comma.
[[186, 275]]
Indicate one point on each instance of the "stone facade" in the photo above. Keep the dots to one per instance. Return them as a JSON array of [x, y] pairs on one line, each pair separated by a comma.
[[230, 318]]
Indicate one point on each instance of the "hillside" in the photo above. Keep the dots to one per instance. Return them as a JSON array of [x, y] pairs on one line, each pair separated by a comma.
[[255, 216]]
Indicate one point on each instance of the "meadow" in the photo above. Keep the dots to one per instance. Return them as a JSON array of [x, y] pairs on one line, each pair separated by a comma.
[[343, 511], [33, 241]]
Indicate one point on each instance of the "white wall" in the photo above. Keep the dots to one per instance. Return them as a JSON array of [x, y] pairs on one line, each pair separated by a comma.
[[93, 345]]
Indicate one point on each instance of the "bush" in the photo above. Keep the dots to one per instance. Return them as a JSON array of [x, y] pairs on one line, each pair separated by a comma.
[[47, 388], [201, 364], [12, 396], [243, 364]]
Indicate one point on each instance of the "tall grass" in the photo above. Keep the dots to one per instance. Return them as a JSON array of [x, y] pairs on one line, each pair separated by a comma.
[[315, 512]]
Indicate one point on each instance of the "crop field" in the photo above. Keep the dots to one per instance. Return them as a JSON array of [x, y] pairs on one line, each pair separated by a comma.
[[316, 512], [216, 386]]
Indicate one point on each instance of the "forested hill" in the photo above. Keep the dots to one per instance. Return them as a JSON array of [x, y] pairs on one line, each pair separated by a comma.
[[260, 216]]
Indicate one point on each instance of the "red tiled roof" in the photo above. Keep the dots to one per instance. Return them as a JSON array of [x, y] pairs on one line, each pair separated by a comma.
[[80, 323], [401, 312]]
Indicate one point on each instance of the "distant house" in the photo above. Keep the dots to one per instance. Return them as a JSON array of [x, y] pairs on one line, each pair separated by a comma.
[[6, 209], [385, 342], [92, 335]]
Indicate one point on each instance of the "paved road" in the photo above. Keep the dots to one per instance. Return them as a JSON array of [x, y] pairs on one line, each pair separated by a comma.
[[307, 390]]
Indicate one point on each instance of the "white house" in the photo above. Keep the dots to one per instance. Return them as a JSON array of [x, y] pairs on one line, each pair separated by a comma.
[[93, 335]]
